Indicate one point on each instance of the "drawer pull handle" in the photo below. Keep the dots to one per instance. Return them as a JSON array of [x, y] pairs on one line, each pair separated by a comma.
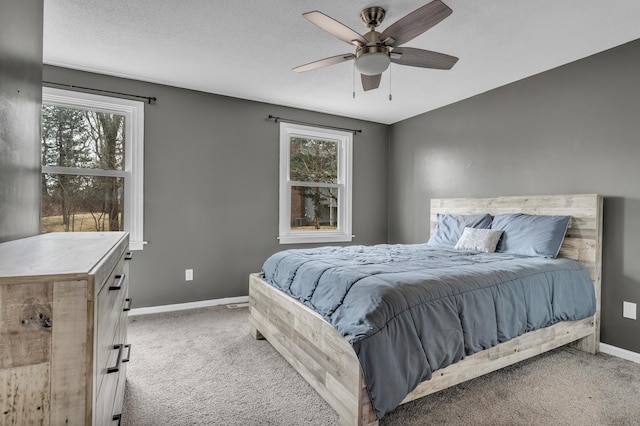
[[128, 256], [129, 301], [119, 281], [117, 417], [118, 361], [128, 353]]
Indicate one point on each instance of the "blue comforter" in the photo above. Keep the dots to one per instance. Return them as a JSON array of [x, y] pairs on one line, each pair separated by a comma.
[[409, 310]]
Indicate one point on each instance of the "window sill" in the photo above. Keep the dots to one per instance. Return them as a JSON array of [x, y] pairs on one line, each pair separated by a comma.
[[137, 245], [304, 239]]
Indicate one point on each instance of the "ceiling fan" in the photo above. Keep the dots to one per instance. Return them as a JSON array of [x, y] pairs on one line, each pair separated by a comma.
[[375, 50]]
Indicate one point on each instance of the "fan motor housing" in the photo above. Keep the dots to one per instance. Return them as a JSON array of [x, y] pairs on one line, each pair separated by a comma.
[[372, 16], [371, 49]]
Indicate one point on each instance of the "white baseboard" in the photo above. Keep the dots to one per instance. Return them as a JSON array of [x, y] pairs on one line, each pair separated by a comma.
[[190, 305], [620, 353]]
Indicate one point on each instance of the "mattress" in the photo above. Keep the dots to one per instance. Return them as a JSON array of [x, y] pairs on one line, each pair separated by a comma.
[[409, 310]]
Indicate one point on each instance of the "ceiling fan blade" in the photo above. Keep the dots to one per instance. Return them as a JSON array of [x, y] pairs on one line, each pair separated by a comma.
[[324, 62], [370, 82], [335, 28], [422, 58], [415, 23]]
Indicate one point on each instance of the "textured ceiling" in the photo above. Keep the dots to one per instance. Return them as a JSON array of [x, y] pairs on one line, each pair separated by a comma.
[[246, 49]]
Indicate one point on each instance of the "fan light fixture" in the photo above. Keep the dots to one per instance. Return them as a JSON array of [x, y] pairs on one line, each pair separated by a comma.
[[373, 63]]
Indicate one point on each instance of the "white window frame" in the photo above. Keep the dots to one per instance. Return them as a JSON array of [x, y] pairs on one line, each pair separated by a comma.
[[345, 151], [133, 172]]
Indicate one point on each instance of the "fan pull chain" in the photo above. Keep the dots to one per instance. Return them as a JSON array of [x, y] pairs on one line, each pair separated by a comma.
[[390, 98], [354, 79]]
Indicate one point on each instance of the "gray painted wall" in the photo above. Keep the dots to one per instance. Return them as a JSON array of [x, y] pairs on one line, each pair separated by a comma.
[[211, 188], [574, 129], [20, 106]]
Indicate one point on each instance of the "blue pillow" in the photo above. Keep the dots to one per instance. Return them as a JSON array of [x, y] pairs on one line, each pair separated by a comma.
[[531, 235], [450, 227]]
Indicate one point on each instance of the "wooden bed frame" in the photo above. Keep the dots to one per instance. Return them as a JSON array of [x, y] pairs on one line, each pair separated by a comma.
[[327, 361]]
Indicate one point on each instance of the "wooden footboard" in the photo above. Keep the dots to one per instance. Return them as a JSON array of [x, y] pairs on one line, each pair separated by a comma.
[[328, 363], [314, 348]]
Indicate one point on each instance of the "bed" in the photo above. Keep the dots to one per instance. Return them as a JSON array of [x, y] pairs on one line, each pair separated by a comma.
[[327, 360]]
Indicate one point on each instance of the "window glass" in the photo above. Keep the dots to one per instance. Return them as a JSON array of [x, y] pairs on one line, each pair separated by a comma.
[[314, 207], [313, 160], [79, 138], [75, 203]]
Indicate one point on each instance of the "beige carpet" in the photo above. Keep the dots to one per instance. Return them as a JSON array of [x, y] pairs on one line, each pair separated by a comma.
[[201, 367]]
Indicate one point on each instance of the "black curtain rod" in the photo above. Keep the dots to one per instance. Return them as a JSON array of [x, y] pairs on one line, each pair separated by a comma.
[[276, 119], [148, 98]]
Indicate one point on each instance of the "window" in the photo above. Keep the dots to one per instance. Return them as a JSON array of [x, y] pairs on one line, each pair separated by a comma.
[[315, 184], [92, 164]]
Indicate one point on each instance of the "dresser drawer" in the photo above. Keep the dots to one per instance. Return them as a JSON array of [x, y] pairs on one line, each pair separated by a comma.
[[105, 399], [109, 328], [110, 392]]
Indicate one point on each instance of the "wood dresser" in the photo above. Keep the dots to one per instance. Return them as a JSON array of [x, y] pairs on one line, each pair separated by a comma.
[[63, 328]]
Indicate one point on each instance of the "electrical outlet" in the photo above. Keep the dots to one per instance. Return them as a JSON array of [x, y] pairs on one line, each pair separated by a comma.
[[188, 274], [629, 310]]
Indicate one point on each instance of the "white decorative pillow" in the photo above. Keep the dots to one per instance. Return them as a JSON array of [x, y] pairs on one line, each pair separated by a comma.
[[478, 239]]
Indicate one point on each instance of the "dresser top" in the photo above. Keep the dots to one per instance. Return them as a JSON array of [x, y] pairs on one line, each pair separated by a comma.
[[56, 254]]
